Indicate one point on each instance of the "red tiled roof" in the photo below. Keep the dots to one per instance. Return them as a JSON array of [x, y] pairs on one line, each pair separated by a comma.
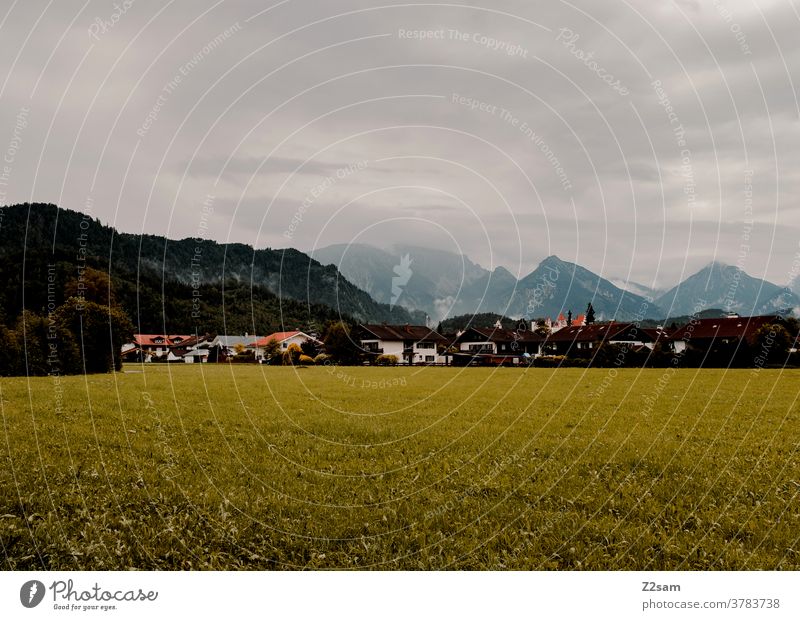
[[734, 327], [149, 339], [277, 336], [599, 332], [496, 334]]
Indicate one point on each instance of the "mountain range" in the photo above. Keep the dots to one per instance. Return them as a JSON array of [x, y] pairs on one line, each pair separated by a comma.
[[174, 286], [444, 284], [199, 284]]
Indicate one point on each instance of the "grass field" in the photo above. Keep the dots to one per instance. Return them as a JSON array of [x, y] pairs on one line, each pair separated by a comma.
[[212, 467]]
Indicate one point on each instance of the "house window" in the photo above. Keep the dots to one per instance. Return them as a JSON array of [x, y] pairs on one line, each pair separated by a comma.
[[425, 345], [429, 358], [285, 345]]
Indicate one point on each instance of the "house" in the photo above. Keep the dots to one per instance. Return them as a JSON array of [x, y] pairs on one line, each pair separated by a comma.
[[160, 347], [284, 339], [231, 345], [157, 344], [728, 333], [197, 355], [196, 349], [495, 345], [411, 344], [583, 340], [561, 322], [147, 347]]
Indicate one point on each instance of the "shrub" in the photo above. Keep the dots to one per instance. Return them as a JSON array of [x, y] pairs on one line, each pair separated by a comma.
[[549, 361], [292, 354], [248, 357], [386, 360], [323, 358], [306, 360]]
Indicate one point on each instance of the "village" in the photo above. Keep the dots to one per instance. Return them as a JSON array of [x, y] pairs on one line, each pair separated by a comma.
[[564, 341]]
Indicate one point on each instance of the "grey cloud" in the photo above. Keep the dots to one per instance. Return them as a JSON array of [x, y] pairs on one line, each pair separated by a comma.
[[327, 92]]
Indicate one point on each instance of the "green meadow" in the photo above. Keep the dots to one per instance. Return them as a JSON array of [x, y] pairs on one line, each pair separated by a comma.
[[249, 467]]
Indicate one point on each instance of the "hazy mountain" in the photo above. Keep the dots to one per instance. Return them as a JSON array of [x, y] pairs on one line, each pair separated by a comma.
[[436, 282], [557, 286], [718, 285], [155, 277], [444, 284], [636, 288]]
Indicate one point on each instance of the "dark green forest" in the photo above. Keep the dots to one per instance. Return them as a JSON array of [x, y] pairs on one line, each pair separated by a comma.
[[173, 286], [74, 290]]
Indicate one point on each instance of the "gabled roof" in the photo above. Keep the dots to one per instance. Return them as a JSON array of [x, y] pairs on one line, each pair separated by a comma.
[[167, 340], [733, 327], [231, 341], [193, 341], [657, 334], [399, 333], [498, 335], [280, 337], [600, 332]]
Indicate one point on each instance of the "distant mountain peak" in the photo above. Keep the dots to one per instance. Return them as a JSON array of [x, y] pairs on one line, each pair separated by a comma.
[[502, 271], [719, 285], [553, 261]]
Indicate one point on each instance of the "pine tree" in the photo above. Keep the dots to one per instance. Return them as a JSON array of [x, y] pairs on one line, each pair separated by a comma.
[[589, 314]]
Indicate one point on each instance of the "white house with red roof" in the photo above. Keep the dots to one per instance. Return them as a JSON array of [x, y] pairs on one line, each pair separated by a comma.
[[149, 346], [284, 339]]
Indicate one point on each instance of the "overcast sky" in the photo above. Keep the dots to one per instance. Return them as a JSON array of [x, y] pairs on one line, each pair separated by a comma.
[[639, 138]]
